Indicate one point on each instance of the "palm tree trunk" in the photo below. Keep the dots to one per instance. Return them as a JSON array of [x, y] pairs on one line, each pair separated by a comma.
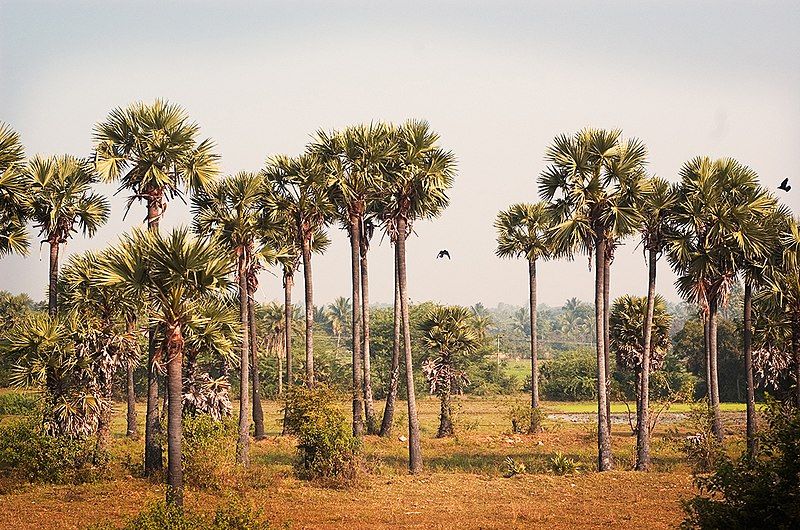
[[369, 404], [243, 441], [535, 424], [414, 448], [394, 374], [606, 330], [153, 452], [712, 357], [446, 414], [643, 402], [174, 350], [796, 352], [132, 430], [288, 282], [604, 457], [707, 350], [309, 289], [355, 257], [748, 366], [258, 411], [279, 356], [52, 289]]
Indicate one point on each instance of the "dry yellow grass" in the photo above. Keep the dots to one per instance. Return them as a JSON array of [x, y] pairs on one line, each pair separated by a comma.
[[462, 486]]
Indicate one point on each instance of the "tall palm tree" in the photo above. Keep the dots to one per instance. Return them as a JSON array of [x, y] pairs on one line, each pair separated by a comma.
[[301, 192], [13, 236], [394, 370], [591, 180], [155, 153], [177, 273], [523, 230], [60, 198], [356, 158], [655, 207], [230, 212], [416, 188], [720, 214], [450, 333]]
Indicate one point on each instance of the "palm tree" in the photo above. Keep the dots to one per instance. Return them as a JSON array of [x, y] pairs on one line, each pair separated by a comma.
[[154, 152], [230, 212], [720, 214], [634, 350], [177, 273], [355, 159], [339, 315], [13, 236], [523, 230], [301, 193], [655, 207], [59, 199], [416, 188], [113, 318], [450, 333], [591, 180]]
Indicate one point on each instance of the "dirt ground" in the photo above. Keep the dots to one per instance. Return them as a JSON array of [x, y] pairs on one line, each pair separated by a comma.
[[462, 488]]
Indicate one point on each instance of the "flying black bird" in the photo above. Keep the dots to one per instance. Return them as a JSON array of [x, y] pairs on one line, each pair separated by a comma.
[[785, 185], [443, 253]]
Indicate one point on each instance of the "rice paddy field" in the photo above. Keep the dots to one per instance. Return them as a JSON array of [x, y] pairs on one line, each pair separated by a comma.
[[464, 484]]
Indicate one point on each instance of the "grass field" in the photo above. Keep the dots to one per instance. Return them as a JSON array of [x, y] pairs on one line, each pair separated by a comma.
[[462, 486]]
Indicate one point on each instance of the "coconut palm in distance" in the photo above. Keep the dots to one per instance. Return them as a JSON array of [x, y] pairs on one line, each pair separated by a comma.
[[591, 180], [300, 191], [230, 212], [13, 236], [450, 333], [416, 188], [154, 152], [720, 214], [177, 273], [339, 314], [655, 206], [60, 201], [523, 230], [355, 159]]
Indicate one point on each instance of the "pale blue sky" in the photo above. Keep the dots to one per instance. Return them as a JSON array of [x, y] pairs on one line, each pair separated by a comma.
[[497, 79]]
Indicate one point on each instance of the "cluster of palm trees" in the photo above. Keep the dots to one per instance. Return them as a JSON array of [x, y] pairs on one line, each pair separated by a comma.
[[717, 225], [192, 290]]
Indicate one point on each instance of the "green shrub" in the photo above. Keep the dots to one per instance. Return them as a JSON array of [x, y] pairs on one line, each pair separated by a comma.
[[525, 420], [702, 448], [326, 448], [235, 516], [28, 454], [18, 404], [760, 492], [209, 451]]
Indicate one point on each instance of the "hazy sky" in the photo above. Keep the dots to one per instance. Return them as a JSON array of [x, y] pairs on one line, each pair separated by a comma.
[[498, 80]]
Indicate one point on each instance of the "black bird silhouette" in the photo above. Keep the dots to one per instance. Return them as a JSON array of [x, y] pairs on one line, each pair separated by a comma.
[[443, 253], [785, 185]]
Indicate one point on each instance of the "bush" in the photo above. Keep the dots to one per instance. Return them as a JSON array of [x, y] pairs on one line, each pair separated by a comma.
[[702, 448], [570, 377], [760, 492], [209, 451], [326, 449], [17, 404], [28, 454], [525, 420], [235, 516]]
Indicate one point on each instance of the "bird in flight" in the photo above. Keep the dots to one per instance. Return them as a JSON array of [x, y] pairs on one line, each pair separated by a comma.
[[443, 253], [785, 185]]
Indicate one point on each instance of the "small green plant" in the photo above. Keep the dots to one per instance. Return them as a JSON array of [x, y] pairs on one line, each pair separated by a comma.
[[326, 448], [29, 454], [563, 465], [234, 516], [513, 468], [520, 416]]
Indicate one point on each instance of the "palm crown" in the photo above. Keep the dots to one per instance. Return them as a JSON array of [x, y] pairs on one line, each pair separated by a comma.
[[522, 230], [13, 236]]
